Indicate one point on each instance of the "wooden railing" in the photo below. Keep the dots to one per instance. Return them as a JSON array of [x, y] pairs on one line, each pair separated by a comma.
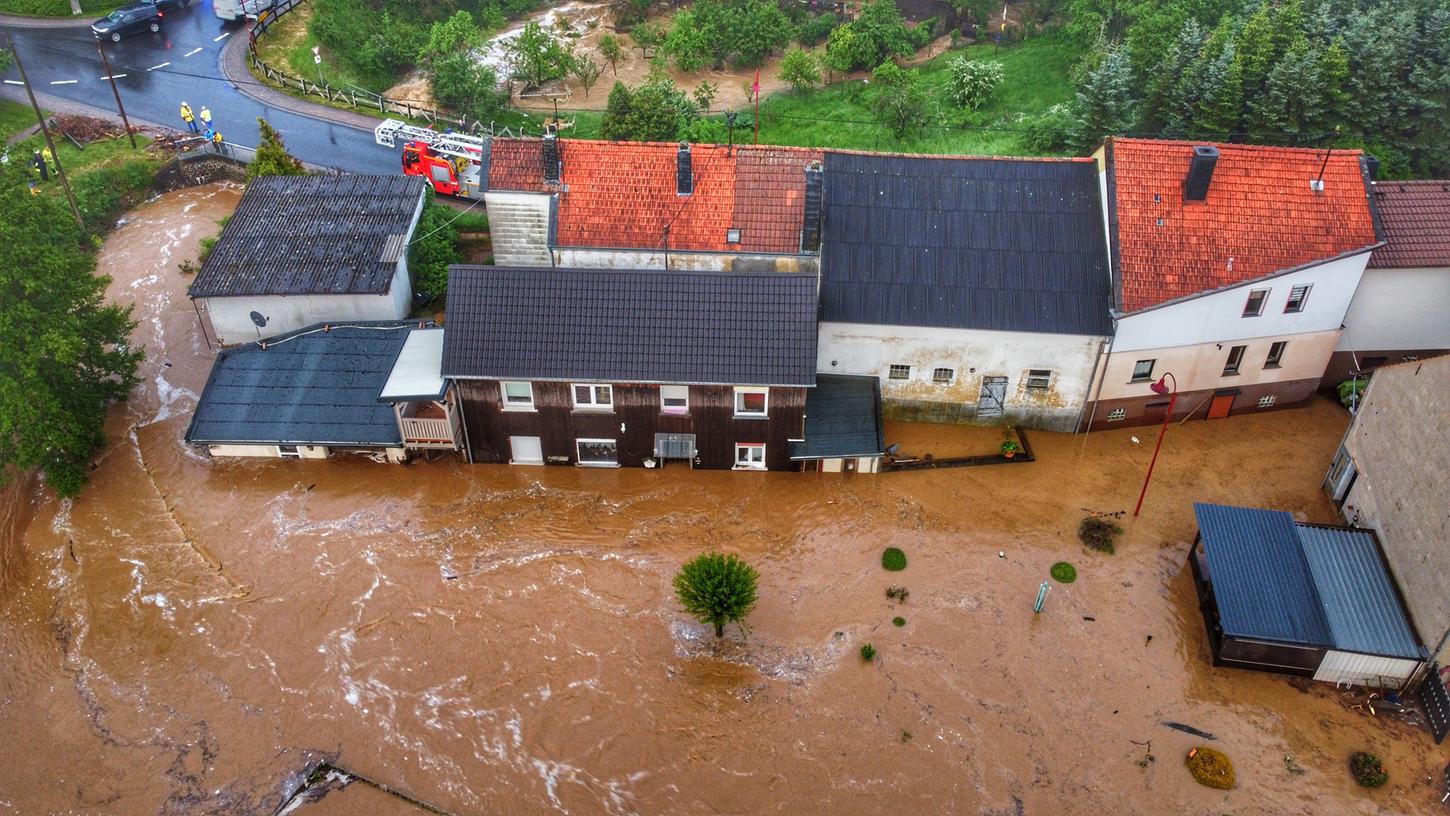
[[418, 429]]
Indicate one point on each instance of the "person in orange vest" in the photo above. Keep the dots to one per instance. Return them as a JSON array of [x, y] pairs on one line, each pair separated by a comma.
[[188, 117]]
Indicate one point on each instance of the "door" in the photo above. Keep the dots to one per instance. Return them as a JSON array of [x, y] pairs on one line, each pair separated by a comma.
[[527, 450], [994, 394], [1221, 405]]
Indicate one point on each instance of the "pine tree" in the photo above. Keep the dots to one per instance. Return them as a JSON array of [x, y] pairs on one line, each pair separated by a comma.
[[1105, 102], [1292, 104], [1254, 50], [617, 109], [1223, 94], [272, 158], [1170, 97]]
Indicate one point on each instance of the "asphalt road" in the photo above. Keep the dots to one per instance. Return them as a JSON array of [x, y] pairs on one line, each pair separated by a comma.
[[156, 72]]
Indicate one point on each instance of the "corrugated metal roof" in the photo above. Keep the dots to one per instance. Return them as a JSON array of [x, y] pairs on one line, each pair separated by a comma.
[[309, 387], [1260, 578], [1360, 603], [649, 326], [843, 418], [999, 244], [312, 235]]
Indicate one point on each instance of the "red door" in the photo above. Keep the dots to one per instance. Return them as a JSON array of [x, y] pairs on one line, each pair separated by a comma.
[[1219, 408]]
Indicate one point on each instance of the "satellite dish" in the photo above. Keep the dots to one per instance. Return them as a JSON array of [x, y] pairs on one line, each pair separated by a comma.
[[259, 319]]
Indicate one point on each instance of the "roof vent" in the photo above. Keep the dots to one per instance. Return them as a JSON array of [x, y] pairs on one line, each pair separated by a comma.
[[1316, 185], [1200, 172], [553, 161], [684, 178], [811, 221]]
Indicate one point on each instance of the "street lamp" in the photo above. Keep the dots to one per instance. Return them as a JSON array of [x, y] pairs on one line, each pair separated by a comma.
[[1158, 388]]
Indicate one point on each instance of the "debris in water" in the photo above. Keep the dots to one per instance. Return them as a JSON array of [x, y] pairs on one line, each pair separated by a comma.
[[1091, 618], [1135, 440], [1187, 729], [1291, 766], [1147, 640], [1001, 553]]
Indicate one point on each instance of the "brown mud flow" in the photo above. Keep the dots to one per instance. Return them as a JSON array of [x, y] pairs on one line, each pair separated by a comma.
[[193, 636]]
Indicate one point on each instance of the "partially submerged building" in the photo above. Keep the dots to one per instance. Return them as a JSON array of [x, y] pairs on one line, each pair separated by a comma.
[[973, 290], [306, 249], [610, 368], [347, 388], [1303, 599]]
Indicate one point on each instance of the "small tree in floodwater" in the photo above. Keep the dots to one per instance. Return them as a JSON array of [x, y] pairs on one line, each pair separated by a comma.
[[717, 589]]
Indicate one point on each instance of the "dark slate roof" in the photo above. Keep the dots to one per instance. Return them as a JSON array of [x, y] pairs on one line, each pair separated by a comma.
[[610, 325], [1001, 244], [1360, 601], [309, 387], [313, 235], [1276, 579], [1260, 578], [843, 418]]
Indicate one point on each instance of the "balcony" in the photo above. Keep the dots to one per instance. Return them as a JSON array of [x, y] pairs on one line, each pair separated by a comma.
[[431, 425]]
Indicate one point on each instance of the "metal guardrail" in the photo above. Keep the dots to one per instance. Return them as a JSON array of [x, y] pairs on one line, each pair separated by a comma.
[[356, 98]]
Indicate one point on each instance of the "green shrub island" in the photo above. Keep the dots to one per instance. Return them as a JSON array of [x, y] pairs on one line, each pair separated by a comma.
[[1211, 768], [898, 621], [1368, 770], [1063, 572], [894, 560], [868, 652], [1099, 533]]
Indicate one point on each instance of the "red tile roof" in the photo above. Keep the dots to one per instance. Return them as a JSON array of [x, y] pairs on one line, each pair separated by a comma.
[[622, 194], [1416, 220], [1260, 216]]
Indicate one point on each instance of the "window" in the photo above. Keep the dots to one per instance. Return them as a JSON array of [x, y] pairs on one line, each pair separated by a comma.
[[518, 396], [1143, 370], [674, 399], [899, 372], [1276, 354], [1235, 357], [751, 402], [750, 456], [594, 397], [1039, 377], [597, 452], [1117, 414], [1255, 306], [942, 376], [1266, 401], [1297, 296]]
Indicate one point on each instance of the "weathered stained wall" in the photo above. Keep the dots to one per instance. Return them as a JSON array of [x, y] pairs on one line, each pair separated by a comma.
[[698, 261], [852, 348], [632, 423], [518, 224], [1399, 442], [229, 318]]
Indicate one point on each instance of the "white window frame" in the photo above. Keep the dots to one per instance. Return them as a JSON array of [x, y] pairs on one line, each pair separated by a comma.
[[579, 454], [1039, 379], [1153, 363], [594, 404], [755, 459], [741, 413], [1232, 367], [937, 378], [681, 392], [892, 369], [1250, 299], [508, 405], [1304, 289]]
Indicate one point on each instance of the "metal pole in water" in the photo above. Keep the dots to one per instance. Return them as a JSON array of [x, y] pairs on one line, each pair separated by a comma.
[[1041, 597]]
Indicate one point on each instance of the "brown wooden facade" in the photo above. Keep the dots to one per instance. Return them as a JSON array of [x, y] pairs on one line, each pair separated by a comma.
[[632, 421]]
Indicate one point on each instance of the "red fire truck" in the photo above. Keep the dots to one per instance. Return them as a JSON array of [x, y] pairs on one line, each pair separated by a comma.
[[451, 162]]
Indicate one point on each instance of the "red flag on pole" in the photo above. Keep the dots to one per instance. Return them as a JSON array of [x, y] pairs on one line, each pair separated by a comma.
[[755, 91]]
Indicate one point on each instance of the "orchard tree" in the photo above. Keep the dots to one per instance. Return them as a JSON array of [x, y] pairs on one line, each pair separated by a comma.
[[272, 158], [65, 352], [587, 71], [801, 69], [647, 38], [459, 81], [611, 52], [536, 56], [901, 101], [717, 589]]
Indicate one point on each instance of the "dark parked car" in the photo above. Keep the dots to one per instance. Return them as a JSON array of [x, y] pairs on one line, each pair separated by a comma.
[[127, 20]]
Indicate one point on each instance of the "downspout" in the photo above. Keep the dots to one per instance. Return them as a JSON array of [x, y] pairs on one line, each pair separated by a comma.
[[463, 423], [199, 319], [1098, 396], [1097, 358]]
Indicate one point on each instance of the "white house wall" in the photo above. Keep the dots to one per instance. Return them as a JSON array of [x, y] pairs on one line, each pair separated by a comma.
[[1365, 670], [1399, 310], [519, 226], [230, 317], [870, 350], [1200, 367]]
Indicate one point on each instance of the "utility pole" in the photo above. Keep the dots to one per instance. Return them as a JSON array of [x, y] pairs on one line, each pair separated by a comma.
[[49, 142], [106, 61]]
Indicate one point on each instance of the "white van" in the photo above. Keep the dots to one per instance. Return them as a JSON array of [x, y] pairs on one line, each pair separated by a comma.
[[240, 9]]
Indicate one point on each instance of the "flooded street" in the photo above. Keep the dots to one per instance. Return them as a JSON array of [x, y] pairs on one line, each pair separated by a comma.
[[192, 636]]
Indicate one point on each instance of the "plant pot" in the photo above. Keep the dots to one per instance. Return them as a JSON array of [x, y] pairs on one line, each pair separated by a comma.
[[1009, 454]]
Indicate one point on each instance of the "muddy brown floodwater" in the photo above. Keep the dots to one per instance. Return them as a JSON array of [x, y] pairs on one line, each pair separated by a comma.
[[190, 636]]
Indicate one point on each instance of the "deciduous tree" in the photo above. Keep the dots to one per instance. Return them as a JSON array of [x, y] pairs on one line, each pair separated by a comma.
[[610, 50], [717, 589], [587, 71], [801, 69], [537, 56]]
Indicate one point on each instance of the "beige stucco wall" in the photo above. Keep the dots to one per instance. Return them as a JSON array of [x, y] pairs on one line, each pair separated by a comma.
[[1200, 366], [1400, 444]]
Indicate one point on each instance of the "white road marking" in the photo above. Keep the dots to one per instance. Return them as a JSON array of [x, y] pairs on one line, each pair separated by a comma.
[[64, 81], [192, 51], [13, 82], [115, 76], [155, 67], [222, 37]]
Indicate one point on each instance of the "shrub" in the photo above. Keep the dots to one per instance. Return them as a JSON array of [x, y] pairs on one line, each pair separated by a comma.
[[1368, 770], [106, 192], [894, 560], [1099, 533], [801, 69], [972, 82], [1211, 768], [1063, 572], [432, 250], [898, 621], [868, 652], [1051, 131], [815, 29]]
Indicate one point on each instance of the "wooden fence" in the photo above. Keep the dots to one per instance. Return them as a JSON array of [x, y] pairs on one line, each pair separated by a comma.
[[357, 98]]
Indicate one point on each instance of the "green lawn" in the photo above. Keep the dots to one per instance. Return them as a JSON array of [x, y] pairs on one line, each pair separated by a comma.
[[57, 8], [1036, 77], [14, 117], [287, 46]]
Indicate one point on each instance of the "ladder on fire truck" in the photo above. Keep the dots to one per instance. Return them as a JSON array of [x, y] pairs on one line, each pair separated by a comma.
[[448, 144]]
